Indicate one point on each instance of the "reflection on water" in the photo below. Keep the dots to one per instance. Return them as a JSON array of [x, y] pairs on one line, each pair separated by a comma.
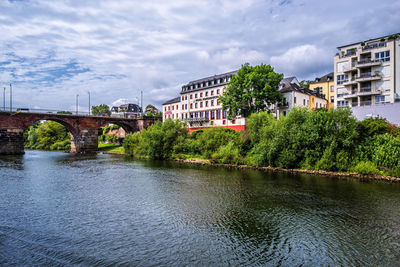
[[107, 210]]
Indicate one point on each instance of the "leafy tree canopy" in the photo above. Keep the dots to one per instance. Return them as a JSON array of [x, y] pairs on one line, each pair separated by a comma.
[[102, 109], [253, 89], [305, 84]]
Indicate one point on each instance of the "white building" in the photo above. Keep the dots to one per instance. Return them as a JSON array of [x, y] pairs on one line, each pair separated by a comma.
[[367, 73], [296, 96], [199, 104]]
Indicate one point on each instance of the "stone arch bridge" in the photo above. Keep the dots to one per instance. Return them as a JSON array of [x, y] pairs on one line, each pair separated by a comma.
[[83, 129]]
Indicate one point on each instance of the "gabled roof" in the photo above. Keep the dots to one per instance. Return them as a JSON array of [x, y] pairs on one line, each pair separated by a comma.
[[171, 101], [287, 87], [325, 78], [210, 78]]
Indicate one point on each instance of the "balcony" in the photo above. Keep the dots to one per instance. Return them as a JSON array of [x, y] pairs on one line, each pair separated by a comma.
[[354, 93], [369, 76], [368, 91], [353, 67], [368, 63], [283, 105], [373, 46], [201, 119], [365, 103], [350, 81]]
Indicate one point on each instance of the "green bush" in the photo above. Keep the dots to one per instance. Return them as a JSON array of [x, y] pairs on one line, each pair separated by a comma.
[[228, 154], [131, 144], [366, 167]]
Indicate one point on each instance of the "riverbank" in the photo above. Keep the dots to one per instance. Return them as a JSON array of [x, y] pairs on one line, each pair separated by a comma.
[[342, 175]]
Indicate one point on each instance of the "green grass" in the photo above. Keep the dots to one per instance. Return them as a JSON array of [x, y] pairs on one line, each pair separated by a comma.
[[113, 148]]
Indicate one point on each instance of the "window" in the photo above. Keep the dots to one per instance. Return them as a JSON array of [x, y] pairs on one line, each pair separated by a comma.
[[201, 94], [195, 105], [332, 99], [308, 102], [332, 88], [201, 104], [185, 106], [212, 102], [201, 114], [304, 102], [206, 103], [177, 107], [207, 93], [379, 99], [172, 107], [218, 114], [212, 92], [233, 121], [217, 91], [196, 114], [342, 78], [169, 107], [213, 114], [294, 100], [284, 113], [342, 103], [383, 56], [224, 114], [217, 101], [165, 108], [191, 96], [195, 95], [185, 97], [207, 114], [191, 105], [191, 114], [223, 122]]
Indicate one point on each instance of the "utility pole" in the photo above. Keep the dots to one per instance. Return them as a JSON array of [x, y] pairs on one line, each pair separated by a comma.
[[10, 98], [4, 99], [89, 103], [141, 101], [76, 104]]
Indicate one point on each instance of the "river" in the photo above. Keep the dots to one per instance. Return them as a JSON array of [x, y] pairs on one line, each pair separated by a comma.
[[58, 209]]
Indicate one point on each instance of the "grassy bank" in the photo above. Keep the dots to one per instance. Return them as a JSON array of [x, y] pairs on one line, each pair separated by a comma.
[[111, 148]]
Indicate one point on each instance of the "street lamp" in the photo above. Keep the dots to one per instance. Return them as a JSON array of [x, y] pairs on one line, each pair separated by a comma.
[[4, 99], [10, 98], [77, 104], [89, 102]]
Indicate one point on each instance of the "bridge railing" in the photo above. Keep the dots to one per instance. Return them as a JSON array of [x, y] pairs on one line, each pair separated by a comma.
[[43, 110]]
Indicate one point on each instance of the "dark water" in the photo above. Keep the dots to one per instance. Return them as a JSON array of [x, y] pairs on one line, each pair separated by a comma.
[[62, 210]]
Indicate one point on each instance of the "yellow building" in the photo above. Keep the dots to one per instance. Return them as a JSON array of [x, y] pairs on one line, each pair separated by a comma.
[[325, 85]]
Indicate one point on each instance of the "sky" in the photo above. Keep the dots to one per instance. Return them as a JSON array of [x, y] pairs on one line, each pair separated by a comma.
[[53, 50]]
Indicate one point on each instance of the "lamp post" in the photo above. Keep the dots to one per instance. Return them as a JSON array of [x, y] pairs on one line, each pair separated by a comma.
[[76, 104], [4, 99], [89, 102], [10, 98]]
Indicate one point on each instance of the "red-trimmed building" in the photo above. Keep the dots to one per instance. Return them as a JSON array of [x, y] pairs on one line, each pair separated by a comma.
[[199, 105]]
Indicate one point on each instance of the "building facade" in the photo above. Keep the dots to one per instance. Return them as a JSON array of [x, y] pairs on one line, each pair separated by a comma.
[[199, 104], [367, 73], [126, 111], [296, 96], [171, 109], [325, 85]]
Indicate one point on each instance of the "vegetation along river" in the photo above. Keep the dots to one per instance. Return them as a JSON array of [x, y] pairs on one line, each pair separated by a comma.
[[60, 209]]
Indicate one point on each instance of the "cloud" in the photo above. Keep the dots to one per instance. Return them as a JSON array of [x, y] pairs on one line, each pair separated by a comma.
[[53, 50], [303, 60]]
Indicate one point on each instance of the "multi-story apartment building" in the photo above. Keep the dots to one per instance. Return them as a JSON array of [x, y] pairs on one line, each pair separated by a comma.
[[325, 86], [367, 73], [296, 96]]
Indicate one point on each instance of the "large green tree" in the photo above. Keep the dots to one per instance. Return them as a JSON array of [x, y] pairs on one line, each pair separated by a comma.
[[253, 89], [102, 109]]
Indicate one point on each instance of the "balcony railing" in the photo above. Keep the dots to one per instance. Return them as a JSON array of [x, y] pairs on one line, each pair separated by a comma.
[[283, 105], [373, 46], [369, 76], [369, 62], [201, 119], [366, 103]]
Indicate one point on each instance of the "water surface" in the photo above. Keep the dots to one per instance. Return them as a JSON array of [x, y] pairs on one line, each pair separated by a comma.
[[57, 209]]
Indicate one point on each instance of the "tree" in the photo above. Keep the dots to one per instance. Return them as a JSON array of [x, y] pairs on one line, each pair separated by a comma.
[[151, 108], [253, 89], [102, 109], [305, 84]]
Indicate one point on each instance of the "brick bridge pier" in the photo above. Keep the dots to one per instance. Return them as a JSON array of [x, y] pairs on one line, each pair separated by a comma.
[[83, 129]]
